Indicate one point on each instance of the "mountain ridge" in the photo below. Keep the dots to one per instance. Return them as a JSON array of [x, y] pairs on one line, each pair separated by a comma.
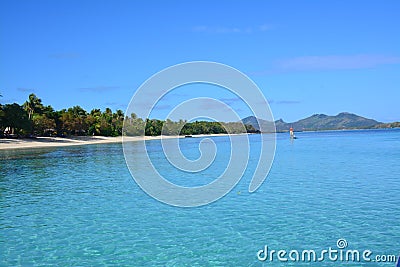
[[318, 122]]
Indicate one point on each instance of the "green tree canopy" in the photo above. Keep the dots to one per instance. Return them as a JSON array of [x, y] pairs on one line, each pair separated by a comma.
[[33, 105], [35, 118], [16, 118]]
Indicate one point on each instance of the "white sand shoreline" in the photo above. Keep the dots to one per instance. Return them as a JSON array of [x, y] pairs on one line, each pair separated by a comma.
[[43, 142]]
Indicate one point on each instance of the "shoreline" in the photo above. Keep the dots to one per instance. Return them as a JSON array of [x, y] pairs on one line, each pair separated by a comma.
[[44, 142]]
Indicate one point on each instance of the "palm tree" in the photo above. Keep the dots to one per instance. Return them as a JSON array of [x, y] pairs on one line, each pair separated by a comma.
[[118, 121], [34, 104]]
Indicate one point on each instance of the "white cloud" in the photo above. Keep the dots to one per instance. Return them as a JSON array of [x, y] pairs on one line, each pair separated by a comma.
[[226, 30], [25, 90], [334, 62], [99, 88], [65, 55]]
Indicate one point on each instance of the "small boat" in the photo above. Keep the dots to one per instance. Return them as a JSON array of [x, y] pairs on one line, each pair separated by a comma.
[[188, 136], [292, 136]]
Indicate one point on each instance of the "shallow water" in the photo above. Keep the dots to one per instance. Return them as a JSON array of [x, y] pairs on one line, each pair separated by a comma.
[[80, 206]]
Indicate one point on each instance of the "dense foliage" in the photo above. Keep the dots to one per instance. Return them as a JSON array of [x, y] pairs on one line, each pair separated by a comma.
[[35, 119], [154, 127]]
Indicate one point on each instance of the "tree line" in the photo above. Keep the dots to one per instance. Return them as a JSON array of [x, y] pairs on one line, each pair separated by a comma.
[[135, 126], [33, 118]]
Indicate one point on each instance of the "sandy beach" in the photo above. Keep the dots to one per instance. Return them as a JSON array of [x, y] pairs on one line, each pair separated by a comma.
[[41, 142]]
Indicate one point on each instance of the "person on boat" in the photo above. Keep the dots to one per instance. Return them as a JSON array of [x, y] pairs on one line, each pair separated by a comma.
[[291, 132]]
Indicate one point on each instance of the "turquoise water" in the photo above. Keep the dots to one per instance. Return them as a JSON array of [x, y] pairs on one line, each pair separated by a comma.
[[78, 206]]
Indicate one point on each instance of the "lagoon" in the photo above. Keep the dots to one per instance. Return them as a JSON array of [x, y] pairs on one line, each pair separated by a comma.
[[79, 205]]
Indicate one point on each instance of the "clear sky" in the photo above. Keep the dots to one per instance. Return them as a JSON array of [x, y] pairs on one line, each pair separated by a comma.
[[306, 56]]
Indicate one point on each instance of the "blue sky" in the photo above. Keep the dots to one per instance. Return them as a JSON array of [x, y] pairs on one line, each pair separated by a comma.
[[306, 56]]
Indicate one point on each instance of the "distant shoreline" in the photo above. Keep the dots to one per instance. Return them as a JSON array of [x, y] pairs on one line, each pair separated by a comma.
[[45, 142], [340, 130]]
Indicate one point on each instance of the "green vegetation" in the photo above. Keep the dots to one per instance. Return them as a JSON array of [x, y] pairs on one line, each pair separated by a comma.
[[388, 125], [35, 119], [134, 127]]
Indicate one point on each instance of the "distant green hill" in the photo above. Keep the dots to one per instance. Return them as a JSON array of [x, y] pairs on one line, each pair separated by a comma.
[[388, 125], [317, 122]]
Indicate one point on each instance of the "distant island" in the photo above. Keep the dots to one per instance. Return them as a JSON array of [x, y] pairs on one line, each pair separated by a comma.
[[322, 122], [35, 119]]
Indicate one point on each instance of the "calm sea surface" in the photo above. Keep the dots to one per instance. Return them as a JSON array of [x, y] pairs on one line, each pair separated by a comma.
[[79, 206]]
